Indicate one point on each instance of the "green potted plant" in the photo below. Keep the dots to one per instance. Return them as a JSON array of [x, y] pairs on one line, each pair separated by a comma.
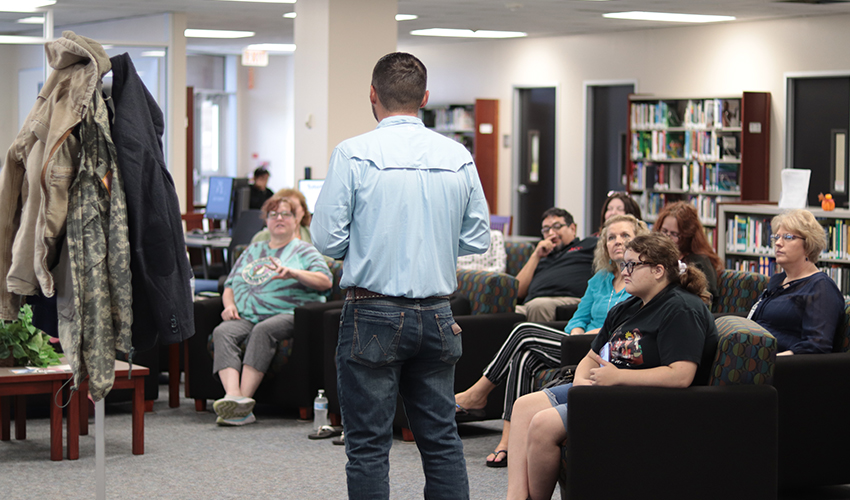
[[21, 343]]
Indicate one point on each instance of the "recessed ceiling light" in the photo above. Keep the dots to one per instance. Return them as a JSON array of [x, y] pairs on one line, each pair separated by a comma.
[[289, 15], [668, 17], [31, 20], [24, 5], [153, 53], [273, 47], [192, 33], [260, 1], [461, 33], [17, 40], [406, 17]]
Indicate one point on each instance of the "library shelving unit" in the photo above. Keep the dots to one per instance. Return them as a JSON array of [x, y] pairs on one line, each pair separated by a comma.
[[476, 126], [744, 240], [702, 150]]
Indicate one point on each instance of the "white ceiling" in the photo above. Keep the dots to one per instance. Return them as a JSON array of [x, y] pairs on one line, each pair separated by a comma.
[[539, 18]]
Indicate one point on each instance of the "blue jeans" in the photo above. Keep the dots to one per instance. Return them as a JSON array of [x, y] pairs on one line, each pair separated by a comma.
[[390, 346]]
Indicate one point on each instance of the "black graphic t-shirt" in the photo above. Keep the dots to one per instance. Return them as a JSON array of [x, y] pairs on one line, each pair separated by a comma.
[[674, 326]]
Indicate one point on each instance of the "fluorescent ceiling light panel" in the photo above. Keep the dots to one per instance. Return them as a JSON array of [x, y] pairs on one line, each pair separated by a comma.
[[668, 17], [260, 1], [18, 40], [153, 53], [31, 20], [461, 33], [24, 5], [273, 47], [192, 33], [289, 15], [406, 17]]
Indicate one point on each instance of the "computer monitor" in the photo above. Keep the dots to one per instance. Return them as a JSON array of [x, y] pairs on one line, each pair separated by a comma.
[[220, 199], [311, 188]]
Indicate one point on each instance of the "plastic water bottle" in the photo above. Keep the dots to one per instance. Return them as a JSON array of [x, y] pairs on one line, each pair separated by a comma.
[[320, 410]]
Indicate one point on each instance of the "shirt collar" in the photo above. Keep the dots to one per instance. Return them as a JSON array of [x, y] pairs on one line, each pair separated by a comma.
[[400, 120]]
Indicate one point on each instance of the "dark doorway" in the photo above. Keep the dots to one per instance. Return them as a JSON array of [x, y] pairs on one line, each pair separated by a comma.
[[821, 119], [608, 124], [536, 183]]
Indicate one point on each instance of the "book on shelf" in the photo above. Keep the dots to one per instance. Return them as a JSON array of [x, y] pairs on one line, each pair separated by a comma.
[[731, 116], [727, 177], [729, 147], [674, 147]]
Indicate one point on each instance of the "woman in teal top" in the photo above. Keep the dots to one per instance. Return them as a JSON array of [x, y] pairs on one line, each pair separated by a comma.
[[532, 347]]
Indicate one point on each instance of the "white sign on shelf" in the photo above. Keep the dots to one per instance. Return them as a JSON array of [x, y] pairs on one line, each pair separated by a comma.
[[485, 128], [795, 188]]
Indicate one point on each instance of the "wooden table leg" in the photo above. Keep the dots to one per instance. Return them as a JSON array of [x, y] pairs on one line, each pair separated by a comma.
[[5, 433], [55, 424], [174, 375], [83, 394], [73, 424], [20, 417], [139, 416]]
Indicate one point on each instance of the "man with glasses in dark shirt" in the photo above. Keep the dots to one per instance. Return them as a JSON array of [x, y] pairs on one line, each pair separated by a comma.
[[558, 270]]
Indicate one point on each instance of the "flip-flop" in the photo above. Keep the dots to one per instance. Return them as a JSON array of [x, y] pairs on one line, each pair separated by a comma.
[[460, 411], [339, 441], [500, 463], [325, 432]]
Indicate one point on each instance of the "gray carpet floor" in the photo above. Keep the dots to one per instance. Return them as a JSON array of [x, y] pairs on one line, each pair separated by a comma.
[[188, 457]]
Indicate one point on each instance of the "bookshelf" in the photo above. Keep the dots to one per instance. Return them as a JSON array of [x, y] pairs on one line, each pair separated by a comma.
[[706, 151], [476, 126], [744, 235]]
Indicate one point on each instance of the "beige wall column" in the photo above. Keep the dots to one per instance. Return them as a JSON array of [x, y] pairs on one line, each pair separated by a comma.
[[176, 119], [337, 43]]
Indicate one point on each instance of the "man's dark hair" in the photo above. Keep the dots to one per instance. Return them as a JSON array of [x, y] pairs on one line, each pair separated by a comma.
[[260, 172], [558, 212], [399, 80]]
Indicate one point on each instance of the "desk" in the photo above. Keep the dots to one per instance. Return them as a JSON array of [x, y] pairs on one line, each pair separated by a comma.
[[198, 241], [50, 382]]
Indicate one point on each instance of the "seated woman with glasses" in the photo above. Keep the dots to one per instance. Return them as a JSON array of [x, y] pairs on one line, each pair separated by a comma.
[[268, 281], [655, 338], [302, 216], [680, 221], [531, 347], [802, 307]]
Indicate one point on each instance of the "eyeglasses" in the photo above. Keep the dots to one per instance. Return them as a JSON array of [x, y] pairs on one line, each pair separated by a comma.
[[629, 267], [282, 215], [553, 227], [786, 236], [671, 234]]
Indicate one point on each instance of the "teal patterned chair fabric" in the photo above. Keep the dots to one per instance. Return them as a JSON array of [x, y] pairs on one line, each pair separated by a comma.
[[518, 254], [738, 291], [488, 292], [543, 377], [336, 270], [746, 353]]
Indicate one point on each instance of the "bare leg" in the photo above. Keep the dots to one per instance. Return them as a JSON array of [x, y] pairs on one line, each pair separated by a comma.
[[503, 444], [475, 398], [251, 379], [230, 381], [545, 437], [524, 410]]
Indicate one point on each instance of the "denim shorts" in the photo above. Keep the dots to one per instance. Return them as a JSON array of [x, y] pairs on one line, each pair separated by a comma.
[[558, 397]]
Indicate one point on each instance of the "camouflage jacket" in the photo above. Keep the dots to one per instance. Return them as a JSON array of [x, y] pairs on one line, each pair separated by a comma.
[[95, 320], [39, 168]]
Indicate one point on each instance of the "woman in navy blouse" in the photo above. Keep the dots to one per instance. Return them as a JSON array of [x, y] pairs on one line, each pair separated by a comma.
[[802, 307]]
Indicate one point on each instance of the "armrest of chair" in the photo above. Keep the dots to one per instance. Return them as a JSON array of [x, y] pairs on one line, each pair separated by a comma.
[[565, 313], [666, 425], [488, 292], [574, 348], [813, 413]]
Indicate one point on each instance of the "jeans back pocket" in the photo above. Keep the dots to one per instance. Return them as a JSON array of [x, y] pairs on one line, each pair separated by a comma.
[[376, 336]]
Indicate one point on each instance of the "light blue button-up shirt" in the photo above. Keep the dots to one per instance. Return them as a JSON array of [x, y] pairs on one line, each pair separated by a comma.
[[400, 203]]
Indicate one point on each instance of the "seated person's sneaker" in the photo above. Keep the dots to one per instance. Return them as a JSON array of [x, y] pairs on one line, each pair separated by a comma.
[[232, 422], [231, 407]]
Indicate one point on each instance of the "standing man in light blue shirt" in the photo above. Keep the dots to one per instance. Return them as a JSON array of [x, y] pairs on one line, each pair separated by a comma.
[[400, 203]]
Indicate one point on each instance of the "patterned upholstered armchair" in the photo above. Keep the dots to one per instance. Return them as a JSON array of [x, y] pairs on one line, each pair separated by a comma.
[[738, 291], [518, 254], [683, 438]]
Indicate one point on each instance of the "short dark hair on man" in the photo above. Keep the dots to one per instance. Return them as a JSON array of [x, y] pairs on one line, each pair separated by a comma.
[[260, 172], [399, 80], [558, 212]]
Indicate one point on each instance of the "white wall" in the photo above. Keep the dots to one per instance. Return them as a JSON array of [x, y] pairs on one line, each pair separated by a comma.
[[708, 60], [266, 121]]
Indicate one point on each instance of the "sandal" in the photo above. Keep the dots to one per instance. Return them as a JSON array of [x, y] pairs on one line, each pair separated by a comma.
[[340, 441], [460, 411], [500, 463], [325, 432]]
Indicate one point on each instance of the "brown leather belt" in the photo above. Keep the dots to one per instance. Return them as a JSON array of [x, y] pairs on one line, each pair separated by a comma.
[[357, 293]]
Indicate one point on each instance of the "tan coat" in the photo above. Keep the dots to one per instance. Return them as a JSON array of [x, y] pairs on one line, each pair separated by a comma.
[[39, 168]]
